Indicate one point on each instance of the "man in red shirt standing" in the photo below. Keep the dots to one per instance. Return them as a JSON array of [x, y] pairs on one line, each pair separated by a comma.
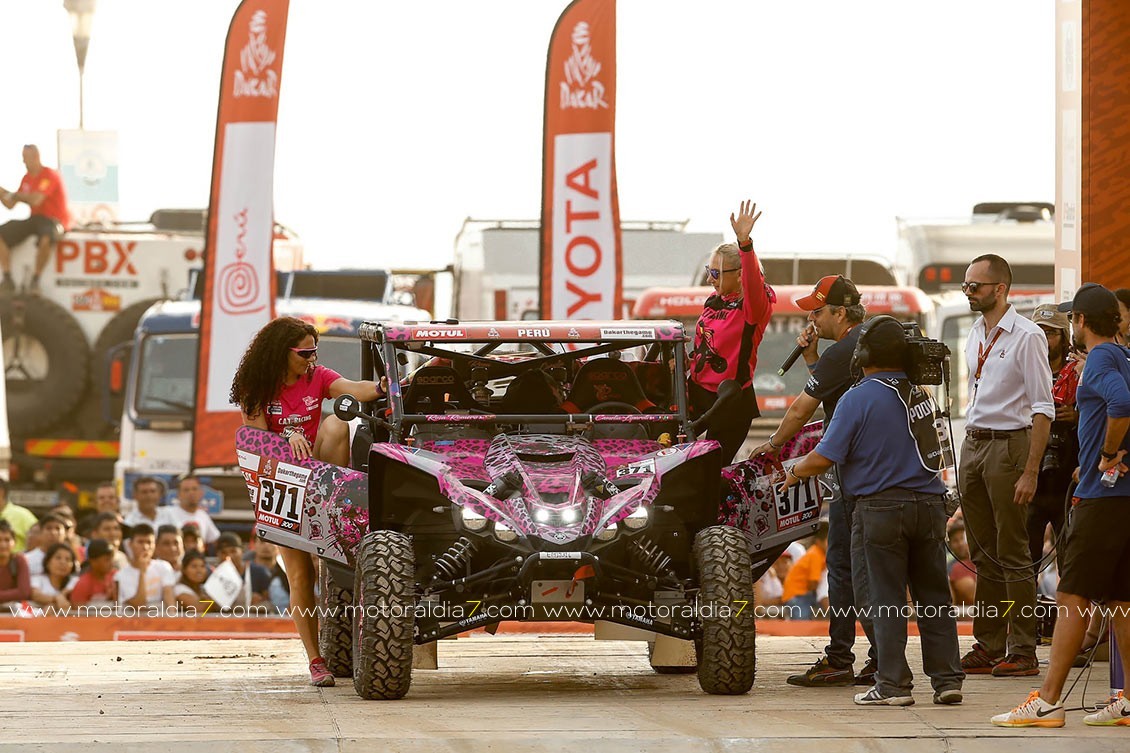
[[42, 190]]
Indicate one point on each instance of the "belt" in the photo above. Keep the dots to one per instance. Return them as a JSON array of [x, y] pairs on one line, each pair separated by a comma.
[[983, 434]]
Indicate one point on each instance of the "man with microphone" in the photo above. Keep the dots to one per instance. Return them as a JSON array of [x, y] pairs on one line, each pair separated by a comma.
[[834, 313]]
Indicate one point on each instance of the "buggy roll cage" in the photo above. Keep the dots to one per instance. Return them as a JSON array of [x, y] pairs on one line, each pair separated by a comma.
[[378, 351]]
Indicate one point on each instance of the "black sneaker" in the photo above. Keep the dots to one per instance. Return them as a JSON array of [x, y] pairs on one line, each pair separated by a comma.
[[948, 697], [823, 675], [866, 676]]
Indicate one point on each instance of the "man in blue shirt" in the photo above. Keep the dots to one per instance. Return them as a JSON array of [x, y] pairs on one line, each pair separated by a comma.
[[1096, 566], [900, 505]]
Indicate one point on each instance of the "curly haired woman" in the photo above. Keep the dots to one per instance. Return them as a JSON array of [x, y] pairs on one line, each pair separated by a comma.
[[280, 387]]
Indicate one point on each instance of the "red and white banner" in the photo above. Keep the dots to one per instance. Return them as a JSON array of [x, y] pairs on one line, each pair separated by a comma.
[[238, 272], [581, 272]]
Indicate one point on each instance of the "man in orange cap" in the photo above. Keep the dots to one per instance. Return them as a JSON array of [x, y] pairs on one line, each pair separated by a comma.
[[835, 310]]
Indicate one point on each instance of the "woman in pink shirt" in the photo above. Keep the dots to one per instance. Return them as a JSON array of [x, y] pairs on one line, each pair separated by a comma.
[[728, 332], [280, 387]]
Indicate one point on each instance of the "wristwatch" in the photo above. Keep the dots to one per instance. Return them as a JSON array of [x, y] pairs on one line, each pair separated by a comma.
[[1108, 455]]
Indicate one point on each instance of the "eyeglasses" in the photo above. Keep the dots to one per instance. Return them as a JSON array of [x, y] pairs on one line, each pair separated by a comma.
[[306, 353], [716, 273], [973, 287]]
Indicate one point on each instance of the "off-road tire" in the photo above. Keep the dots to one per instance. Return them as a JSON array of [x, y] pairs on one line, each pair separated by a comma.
[[335, 626], [663, 669], [37, 401], [384, 624], [727, 660]]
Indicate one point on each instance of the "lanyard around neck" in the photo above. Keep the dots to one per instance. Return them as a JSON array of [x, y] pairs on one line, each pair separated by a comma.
[[983, 353]]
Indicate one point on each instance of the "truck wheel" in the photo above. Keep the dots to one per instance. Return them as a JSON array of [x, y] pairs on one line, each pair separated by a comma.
[[46, 362], [662, 669], [118, 330], [335, 626], [727, 654], [383, 631]]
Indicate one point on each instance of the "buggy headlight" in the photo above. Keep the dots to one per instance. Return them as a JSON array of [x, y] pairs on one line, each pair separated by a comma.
[[504, 532], [472, 521], [638, 518], [607, 533], [569, 515]]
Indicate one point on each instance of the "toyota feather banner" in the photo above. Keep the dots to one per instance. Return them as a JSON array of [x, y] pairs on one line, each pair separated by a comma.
[[238, 275], [581, 275]]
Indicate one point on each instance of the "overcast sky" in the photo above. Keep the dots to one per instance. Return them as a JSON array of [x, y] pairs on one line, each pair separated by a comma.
[[398, 120]]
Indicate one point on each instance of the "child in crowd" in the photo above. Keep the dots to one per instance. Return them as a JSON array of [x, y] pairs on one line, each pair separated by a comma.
[[145, 581], [15, 582], [52, 588], [189, 590], [95, 586]]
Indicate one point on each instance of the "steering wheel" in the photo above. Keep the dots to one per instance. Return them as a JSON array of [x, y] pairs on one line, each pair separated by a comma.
[[614, 406]]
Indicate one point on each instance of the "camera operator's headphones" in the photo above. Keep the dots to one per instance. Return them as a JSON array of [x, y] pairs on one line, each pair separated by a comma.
[[862, 356]]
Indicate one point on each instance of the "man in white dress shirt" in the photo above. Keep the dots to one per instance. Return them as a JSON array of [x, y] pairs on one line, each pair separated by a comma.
[[1008, 419]]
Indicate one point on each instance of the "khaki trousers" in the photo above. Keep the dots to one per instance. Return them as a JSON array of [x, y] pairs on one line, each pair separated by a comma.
[[1005, 620]]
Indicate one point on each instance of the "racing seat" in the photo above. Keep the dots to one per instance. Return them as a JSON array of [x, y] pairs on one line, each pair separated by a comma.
[[603, 380], [431, 390], [433, 387], [533, 392]]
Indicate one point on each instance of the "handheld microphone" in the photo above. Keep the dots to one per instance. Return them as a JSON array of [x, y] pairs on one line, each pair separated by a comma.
[[788, 364]]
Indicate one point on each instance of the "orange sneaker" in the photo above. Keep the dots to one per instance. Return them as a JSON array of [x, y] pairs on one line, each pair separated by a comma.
[[1034, 712]]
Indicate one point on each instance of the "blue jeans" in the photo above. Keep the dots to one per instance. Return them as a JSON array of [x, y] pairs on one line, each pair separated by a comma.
[[903, 534], [847, 581], [801, 607]]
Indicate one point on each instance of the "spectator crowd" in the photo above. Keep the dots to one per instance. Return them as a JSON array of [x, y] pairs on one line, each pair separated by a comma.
[[139, 557]]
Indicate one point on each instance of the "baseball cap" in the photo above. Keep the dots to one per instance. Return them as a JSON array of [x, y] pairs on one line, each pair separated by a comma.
[[98, 548], [833, 290], [795, 550], [1091, 299], [1049, 315]]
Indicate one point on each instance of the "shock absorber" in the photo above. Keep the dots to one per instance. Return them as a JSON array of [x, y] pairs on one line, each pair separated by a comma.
[[451, 563], [650, 556]]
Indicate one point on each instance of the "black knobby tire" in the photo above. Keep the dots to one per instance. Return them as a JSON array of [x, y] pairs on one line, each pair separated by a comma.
[[335, 624], [727, 653], [666, 669], [46, 363], [118, 330], [383, 628]]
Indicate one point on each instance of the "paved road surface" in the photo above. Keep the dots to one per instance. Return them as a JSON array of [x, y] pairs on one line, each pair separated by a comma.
[[503, 693]]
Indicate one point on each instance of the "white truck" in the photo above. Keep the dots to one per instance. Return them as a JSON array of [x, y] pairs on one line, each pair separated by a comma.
[[94, 290], [497, 274], [159, 394], [933, 253]]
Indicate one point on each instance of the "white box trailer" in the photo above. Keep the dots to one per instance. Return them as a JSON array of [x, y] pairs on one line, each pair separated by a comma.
[[933, 253], [497, 275]]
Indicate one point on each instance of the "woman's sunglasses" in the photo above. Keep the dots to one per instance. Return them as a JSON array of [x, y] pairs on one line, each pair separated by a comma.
[[306, 353], [716, 273]]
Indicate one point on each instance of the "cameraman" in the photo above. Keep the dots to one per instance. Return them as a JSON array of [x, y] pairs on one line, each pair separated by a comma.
[[901, 512], [1062, 452], [1096, 565]]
